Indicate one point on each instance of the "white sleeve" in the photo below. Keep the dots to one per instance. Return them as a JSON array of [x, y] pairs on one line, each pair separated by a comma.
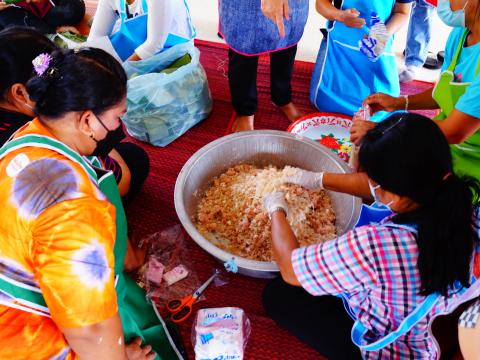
[[160, 17], [104, 19]]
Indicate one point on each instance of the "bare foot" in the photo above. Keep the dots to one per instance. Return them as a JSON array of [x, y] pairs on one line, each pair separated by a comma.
[[291, 112], [242, 123]]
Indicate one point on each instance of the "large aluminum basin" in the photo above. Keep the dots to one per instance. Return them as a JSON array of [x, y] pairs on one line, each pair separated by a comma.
[[261, 147]]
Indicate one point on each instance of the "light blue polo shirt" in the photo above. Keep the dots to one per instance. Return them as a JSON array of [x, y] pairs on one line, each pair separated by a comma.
[[469, 103]]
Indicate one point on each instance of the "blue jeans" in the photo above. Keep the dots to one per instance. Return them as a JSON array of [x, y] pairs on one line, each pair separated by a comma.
[[418, 37]]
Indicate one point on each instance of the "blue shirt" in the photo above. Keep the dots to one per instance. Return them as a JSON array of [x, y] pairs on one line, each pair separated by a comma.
[[464, 72]]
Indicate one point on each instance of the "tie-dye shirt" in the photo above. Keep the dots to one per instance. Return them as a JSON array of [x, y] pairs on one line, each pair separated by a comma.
[[57, 234]]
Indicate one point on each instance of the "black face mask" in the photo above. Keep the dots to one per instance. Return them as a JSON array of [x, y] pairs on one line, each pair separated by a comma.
[[113, 137]]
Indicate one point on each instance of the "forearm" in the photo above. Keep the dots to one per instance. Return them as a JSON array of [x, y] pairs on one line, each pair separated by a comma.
[[355, 184], [458, 126], [400, 17], [124, 184], [284, 242], [421, 101], [327, 10], [99, 341], [103, 21], [160, 17]]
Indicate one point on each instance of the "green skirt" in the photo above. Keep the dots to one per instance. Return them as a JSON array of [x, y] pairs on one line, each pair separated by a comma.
[[140, 319]]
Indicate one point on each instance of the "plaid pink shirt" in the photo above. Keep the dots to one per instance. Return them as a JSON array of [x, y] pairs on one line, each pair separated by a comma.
[[377, 267]]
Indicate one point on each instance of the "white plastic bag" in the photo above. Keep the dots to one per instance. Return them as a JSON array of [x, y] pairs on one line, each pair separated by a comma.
[[220, 333], [163, 106]]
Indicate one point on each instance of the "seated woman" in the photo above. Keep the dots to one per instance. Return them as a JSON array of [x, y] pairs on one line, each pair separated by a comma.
[[155, 25], [343, 75], [394, 276], [63, 291], [456, 94], [45, 16], [18, 47]]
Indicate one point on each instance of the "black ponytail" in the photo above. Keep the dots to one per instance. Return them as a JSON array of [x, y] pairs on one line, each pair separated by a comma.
[[85, 79], [408, 155]]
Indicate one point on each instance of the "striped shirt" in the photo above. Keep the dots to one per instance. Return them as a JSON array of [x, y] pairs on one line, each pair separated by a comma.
[[376, 265]]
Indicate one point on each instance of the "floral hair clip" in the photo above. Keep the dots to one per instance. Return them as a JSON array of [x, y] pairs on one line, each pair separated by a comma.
[[41, 63]]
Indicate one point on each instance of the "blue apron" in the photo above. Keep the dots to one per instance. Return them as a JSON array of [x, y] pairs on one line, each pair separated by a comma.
[[133, 32], [373, 214], [248, 32], [343, 77]]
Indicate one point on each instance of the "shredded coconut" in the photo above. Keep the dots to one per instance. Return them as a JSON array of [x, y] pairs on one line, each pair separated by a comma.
[[231, 213]]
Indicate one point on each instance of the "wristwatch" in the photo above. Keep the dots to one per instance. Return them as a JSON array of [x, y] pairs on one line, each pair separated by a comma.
[[275, 209]]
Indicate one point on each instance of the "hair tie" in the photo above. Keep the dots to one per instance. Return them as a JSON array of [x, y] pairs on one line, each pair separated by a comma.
[[447, 175], [41, 63]]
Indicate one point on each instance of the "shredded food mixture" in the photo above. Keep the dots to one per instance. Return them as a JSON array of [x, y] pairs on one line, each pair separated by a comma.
[[231, 213]]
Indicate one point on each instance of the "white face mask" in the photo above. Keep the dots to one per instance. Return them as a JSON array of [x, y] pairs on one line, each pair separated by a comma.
[[374, 195], [450, 17]]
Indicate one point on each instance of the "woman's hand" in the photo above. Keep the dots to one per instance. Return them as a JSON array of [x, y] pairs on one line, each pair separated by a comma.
[[135, 350], [134, 257], [275, 201], [350, 18], [276, 10], [308, 179], [4, 6], [71, 29], [134, 57], [359, 129], [383, 102]]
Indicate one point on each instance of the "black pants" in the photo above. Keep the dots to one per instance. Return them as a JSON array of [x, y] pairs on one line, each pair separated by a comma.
[[138, 163], [242, 77], [319, 321]]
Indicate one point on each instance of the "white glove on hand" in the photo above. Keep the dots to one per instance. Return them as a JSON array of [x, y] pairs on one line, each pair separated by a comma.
[[274, 201], [308, 179]]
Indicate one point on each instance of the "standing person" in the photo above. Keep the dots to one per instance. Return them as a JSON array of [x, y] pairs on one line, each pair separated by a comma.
[[456, 93], [139, 29], [394, 276], [252, 28], [343, 76], [418, 39], [64, 293]]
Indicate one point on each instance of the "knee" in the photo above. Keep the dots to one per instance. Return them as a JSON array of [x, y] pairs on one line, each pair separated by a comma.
[[137, 161]]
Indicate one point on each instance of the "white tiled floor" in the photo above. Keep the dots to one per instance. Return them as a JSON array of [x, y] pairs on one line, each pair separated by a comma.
[[205, 17]]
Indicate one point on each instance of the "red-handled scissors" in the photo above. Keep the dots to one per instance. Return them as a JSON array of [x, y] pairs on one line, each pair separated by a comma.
[[182, 308]]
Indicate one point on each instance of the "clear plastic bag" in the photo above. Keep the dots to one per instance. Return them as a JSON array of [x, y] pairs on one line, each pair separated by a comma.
[[167, 251], [162, 106], [220, 333]]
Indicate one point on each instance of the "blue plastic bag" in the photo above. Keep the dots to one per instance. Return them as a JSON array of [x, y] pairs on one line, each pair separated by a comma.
[[161, 107]]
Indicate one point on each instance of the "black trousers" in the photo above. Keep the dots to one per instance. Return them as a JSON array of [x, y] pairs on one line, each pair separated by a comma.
[[242, 77], [319, 321]]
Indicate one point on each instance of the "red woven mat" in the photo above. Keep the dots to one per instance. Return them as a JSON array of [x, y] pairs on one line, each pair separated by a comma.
[[153, 209]]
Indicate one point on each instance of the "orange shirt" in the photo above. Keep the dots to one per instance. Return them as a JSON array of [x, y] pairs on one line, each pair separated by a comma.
[[57, 233]]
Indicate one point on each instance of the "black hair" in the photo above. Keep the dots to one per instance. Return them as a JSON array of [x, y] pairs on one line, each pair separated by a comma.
[[66, 12], [18, 47], [80, 80], [408, 155]]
